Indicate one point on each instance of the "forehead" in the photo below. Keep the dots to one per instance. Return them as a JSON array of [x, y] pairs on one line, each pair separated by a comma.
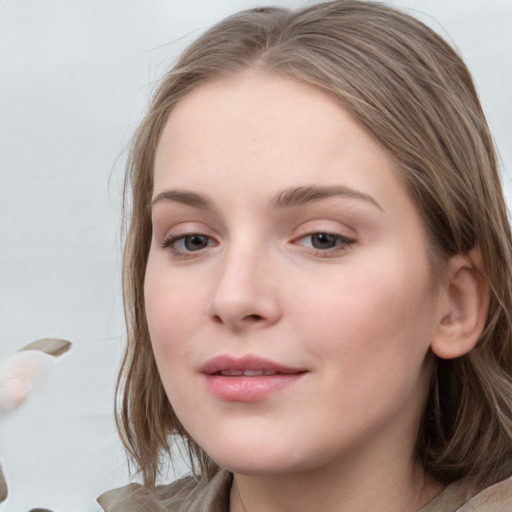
[[258, 123]]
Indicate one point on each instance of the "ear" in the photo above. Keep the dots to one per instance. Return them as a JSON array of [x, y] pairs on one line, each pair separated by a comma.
[[464, 304]]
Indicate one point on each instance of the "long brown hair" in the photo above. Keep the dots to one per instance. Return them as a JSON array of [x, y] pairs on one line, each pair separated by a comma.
[[412, 92]]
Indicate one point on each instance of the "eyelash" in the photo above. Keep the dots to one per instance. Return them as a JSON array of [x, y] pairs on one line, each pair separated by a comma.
[[343, 244]]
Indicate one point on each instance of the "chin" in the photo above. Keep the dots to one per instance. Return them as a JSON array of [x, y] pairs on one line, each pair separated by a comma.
[[249, 466], [253, 458]]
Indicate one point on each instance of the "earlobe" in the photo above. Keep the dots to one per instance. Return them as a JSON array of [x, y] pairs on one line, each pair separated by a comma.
[[464, 304]]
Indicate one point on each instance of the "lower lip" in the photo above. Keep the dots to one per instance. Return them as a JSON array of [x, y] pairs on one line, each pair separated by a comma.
[[249, 389]]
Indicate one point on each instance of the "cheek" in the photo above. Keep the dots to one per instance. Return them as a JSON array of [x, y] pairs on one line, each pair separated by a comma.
[[171, 312], [371, 311], [376, 330]]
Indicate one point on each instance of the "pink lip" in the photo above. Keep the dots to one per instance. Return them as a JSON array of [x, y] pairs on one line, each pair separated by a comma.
[[244, 388]]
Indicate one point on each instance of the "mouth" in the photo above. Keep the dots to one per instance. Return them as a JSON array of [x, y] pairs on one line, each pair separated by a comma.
[[246, 373], [248, 379], [248, 366]]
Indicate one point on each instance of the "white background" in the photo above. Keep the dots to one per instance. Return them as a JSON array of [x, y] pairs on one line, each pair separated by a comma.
[[75, 76]]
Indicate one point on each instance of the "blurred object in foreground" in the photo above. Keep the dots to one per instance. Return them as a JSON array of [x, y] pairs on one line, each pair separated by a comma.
[[19, 373]]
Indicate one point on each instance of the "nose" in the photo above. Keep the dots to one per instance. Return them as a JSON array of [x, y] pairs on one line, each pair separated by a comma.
[[245, 294]]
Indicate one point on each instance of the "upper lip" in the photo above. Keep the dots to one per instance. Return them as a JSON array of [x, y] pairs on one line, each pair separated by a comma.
[[224, 363]]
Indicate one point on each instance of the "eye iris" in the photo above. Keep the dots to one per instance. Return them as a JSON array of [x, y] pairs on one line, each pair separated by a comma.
[[195, 242], [323, 240]]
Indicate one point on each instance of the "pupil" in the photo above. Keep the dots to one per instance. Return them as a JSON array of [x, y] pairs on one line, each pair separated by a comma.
[[195, 242], [323, 240]]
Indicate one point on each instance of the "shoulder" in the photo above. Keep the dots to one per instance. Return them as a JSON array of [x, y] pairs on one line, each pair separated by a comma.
[[188, 494], [496, 498]]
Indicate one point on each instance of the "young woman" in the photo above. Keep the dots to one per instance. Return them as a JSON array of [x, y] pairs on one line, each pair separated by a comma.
[[317, 274]]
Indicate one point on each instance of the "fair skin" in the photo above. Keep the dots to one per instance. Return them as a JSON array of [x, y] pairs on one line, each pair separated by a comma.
[[281, 232]]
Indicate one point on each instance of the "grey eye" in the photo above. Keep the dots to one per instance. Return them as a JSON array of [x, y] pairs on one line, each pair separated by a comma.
[[195, 242], [324, 240]]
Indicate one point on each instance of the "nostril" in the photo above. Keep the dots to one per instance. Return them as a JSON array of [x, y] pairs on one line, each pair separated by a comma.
[[249, 318], [254, 317]]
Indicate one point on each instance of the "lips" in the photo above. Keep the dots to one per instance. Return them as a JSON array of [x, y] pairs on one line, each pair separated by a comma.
[[247, 373], [248, 365], [247, 379]]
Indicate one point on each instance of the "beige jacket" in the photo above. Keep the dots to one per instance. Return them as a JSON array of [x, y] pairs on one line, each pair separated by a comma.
[[189, 495]]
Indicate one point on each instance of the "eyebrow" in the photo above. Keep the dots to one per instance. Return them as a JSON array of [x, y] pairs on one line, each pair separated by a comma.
[[297, 196], [183, 197]]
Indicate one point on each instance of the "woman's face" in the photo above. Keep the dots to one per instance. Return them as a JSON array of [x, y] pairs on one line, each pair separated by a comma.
[[288, 289]]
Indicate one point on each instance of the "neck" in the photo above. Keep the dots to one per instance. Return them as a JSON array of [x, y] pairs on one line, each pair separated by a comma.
[[390, 486]]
